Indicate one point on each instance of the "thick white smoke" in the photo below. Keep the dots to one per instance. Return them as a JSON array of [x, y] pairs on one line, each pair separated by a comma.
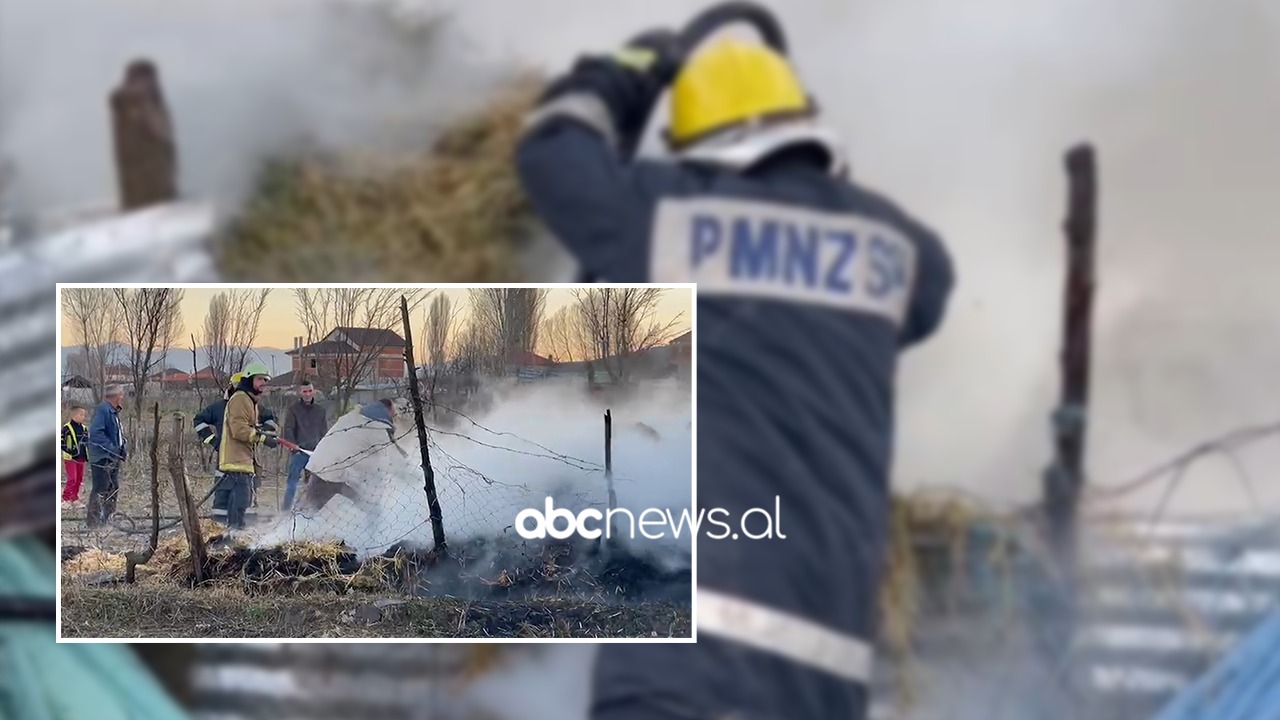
[[245, 80], [959, 110], [536, 442]]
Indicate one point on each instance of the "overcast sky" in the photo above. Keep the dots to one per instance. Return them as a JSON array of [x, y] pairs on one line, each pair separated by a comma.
[[280, 321]]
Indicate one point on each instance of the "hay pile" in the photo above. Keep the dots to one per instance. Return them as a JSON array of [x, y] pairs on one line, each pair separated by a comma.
[[291, 568], [93, 561], [452, 215], [938, 545]]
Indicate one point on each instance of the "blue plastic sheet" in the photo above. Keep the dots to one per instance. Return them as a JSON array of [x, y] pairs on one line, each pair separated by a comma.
[[1243, 686], [42, 680]]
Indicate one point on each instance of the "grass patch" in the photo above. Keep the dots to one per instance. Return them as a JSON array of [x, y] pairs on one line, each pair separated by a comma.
[[169, 612]]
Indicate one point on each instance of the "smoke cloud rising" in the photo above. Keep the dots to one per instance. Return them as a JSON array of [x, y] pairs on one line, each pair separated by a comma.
[[535, 442], [959, 110]]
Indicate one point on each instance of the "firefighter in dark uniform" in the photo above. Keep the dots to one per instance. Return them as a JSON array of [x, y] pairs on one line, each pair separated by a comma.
[[809, 286]]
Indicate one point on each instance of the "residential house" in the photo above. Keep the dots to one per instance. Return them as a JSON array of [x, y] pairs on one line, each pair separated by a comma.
[[206, 377], [529, 366], [172, 377], [378, 353], [118, 374], [682, 348], [681, 355], [76, 381]]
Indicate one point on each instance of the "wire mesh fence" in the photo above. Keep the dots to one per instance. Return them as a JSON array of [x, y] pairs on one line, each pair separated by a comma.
[[978, 622], [361, 493]]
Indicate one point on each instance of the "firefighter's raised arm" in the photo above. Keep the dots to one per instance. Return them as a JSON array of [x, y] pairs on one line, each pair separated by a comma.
[[574, 161], [931, 290]]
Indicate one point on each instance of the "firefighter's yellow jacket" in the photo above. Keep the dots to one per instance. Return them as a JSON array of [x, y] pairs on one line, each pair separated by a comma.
[[240, 434]]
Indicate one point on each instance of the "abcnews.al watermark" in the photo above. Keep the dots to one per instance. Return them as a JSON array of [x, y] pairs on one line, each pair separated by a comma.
[[652, 523]]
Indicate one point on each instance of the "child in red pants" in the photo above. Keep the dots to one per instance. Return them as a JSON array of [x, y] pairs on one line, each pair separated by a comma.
[[75, 453]]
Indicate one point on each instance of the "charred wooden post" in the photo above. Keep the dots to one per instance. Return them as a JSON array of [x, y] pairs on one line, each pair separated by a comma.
[[608, 476], [433, 500], [608, 458], [186, 505], [146, 154], [133, 560], [1065, 478]]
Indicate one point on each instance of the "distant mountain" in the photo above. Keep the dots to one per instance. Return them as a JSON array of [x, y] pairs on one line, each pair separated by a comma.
[[180, 358]]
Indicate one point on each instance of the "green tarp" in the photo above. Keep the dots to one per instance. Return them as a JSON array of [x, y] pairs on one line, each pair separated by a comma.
[[42, 680]]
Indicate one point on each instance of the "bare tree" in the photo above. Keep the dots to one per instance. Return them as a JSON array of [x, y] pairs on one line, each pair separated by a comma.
[[619, 324], [441, 319], [563, 336], [344, 362], [152, 320], [507, 320], [230, 329], [94, 317], [441, 326]]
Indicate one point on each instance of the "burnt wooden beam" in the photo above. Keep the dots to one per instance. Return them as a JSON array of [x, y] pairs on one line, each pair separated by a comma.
[[1065, 478]]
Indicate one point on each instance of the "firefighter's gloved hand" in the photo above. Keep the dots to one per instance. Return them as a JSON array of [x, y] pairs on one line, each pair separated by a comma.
[[271, 441], [629, 82]]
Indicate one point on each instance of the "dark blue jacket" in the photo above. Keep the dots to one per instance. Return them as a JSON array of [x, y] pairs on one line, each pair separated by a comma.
[[106, 438], [208, 422], [809, 285]]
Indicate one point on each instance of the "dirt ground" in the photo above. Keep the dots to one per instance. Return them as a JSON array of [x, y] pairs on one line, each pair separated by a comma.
[[143, 611]]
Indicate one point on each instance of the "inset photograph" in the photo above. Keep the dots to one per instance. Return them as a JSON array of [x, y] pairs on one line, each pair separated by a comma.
[[376, 462]]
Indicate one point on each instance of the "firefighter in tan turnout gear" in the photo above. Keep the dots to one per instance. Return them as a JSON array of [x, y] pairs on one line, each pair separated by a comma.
[[241, 434]]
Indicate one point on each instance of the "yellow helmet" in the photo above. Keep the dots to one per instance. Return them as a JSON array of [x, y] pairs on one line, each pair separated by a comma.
[[729, 83], [235, 379]]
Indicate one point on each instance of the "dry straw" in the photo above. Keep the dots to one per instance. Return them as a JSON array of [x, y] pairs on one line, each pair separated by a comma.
[[455, 214]]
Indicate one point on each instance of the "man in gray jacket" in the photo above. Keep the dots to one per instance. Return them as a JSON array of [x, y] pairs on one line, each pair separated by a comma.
[[306, 422]]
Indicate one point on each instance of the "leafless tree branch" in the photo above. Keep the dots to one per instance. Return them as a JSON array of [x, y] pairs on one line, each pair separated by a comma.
[[347, 364]]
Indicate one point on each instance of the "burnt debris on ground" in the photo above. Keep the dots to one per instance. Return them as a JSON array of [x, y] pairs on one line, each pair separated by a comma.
[[512, 569], [479, 569]]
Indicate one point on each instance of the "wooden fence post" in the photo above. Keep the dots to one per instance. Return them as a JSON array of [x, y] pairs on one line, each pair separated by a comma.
[[133, 560], [608, 478], [1064, 481], [142, 132], [433, 500], [186, 505]]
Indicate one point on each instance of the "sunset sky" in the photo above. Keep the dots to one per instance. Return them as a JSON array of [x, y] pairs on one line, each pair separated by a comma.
[[280, 323]]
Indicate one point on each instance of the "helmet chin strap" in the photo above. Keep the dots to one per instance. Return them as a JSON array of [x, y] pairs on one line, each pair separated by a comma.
[[741, 147]]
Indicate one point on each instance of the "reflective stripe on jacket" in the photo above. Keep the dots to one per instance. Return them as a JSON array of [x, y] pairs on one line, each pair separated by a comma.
[[72, 446], [239, 434]]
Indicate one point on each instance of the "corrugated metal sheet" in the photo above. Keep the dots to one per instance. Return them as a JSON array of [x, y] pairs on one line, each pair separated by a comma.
[[330, 681], [165, 243], [1167, 604]]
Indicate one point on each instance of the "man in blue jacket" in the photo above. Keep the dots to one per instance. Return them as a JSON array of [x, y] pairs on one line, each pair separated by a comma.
[[809, 286], [107, 452]]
